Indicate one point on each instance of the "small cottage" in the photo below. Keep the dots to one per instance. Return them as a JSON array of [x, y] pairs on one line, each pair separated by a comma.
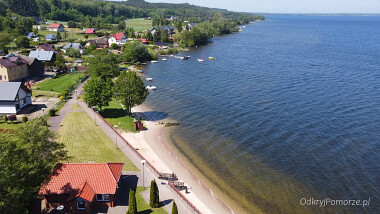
[[13, 97]]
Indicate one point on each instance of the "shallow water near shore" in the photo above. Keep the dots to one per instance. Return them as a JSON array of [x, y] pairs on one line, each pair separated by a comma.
[[289, 109]]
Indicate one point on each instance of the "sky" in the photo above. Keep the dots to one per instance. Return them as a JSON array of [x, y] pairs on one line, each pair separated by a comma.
[[288, 6]]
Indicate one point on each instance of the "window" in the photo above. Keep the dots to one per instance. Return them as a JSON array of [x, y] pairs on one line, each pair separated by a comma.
[[81, 205], [102, 197], [1, 77]]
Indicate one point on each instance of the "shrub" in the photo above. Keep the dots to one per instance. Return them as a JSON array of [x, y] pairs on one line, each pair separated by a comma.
[[24, 119], [154, 200], [132, 207], [52, 112], [5, 119], [174, 208], [12, 118]]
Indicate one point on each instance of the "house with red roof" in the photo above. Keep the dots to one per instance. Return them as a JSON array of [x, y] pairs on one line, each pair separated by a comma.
[[80, 186], [118, 38], [90, 31], [56, 27]]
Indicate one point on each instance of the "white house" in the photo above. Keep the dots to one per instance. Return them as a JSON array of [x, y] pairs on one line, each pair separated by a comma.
[[13, 97], [118, 39], [56, 27]]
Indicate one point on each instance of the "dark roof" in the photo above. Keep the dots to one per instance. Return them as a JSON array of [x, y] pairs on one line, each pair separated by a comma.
[[17, 60], [7, 63], [46, 47]]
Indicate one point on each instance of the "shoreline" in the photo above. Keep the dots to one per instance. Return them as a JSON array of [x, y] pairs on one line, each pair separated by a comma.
[[154, 146], [157, 146]]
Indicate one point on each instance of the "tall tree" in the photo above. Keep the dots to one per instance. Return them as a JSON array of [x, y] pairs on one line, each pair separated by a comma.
[[154, 200], [22, 42], [174, 208], [132, 206], [26, 159], [59, 61], [98, 92], [58, 36], [130, 90]]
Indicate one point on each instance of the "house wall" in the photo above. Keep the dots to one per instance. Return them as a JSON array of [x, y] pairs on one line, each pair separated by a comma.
[[13, 73], [36, 70], [7, 108], [21, 95], [110, 203]]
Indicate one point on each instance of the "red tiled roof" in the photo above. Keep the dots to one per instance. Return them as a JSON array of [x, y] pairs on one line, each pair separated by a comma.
[[90, 31], [55, 25], [117, 36], [84, 191], [68, 177]]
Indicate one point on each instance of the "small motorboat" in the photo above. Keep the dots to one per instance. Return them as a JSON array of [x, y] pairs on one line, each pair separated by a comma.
[[153, 61], [164, 59], [140, 71], [171, 55], [149, 79], [244, 26], [186, 57], [201, 60], [211, 58], [151, 87]]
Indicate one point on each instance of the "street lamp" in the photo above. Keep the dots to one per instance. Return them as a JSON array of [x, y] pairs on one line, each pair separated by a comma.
[[76, 92], [115, 126], [143, 162]]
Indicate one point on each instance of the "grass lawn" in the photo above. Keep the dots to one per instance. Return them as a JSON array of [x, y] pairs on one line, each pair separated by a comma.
[[71, 33], [86, 142], [44, 94], [75, 106], [59, 84], [139, 24], [9, 125], [143, 207], [115, 115]]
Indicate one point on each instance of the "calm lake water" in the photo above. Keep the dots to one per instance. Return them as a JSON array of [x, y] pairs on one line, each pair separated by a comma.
[[289, 109]]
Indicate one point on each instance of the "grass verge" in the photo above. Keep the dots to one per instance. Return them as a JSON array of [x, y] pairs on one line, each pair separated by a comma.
[[86, 142], [114, 114], [143, 207], [9, 125]]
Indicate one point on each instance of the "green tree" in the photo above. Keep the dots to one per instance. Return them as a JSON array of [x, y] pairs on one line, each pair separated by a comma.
[[71, 52], [35, 31], [86, 36], [103, 70], [174, 208], [149, 36], [59, 61], [71, 24], [114, 46], [22, 42], [58, 36], [5, 39], [154, 199], [98, 92], [130, 90], [26, 159], [135, 52], [132, 206], [121, 26], [90, 48]]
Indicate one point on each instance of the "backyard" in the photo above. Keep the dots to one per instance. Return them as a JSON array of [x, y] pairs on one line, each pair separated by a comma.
[[86, 142], [59, 84]]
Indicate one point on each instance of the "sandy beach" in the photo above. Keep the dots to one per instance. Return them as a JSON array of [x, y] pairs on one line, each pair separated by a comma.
[[153, 144]]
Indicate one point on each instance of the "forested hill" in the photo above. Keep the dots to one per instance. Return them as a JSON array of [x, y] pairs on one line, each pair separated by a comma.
[[111, 11]]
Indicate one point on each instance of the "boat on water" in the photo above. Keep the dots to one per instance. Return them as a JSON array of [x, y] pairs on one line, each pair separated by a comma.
[[164, 59], [244, 26], [151, 87], [211, 58], [186, 57], [149, 79], [201, 60], [153, 61], [140, 71]]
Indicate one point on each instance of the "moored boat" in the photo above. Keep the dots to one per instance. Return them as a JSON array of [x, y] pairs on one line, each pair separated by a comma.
[[151, 87], [149, 79], [153, 61]]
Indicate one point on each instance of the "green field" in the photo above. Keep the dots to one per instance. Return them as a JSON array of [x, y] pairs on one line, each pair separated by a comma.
[[9, 125], [86, 142], [143, 207], [59, 84], [139, 24], [115, 115], [71, 33]]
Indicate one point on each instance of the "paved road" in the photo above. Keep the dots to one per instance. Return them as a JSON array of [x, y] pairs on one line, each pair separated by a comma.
[[166, 193]]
